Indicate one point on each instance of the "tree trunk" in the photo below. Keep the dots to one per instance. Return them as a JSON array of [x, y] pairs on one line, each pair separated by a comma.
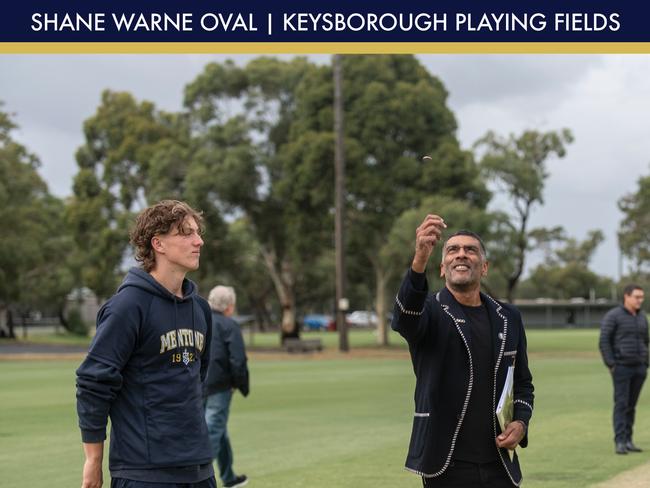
[[10, 323], [62, 318], [381, 279], [289, 326], [5, 329], [283, 282], [513, 280]]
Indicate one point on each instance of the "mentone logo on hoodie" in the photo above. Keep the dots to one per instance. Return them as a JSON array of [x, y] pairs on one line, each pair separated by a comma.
[[175, 339]]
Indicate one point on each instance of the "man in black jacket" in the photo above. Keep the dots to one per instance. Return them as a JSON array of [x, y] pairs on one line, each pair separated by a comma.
[[624, 347], [463, 345], [228, 371]]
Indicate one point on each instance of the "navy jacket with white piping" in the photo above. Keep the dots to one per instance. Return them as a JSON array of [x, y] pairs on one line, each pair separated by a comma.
[[439, 340], [144, 369]]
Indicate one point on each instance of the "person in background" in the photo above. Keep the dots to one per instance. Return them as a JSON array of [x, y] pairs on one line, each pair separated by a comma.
[[228, 372], [624, 347]]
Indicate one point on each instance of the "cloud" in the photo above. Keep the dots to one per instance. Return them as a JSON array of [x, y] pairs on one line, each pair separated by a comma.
[[483, 79]]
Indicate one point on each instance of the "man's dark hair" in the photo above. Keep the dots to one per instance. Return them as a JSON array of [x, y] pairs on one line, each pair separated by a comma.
[[465, 232], [630, 288]]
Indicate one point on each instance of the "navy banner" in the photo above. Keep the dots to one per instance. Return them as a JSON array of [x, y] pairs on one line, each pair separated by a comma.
[[324, 21]]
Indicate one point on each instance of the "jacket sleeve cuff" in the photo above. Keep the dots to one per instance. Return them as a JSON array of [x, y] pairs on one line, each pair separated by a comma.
[[524, 442], [93, 436], [418, 280], [522, 411]]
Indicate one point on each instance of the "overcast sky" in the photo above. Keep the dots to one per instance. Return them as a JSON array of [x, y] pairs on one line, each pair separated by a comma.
[[603, 99]]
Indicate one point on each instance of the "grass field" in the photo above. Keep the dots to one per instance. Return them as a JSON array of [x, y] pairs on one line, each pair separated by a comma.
[[336, 422]]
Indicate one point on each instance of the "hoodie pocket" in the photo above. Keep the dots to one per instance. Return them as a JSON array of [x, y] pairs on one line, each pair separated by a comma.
[[177, 434]]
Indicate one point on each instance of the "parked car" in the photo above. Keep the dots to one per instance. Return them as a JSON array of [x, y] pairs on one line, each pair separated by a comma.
[[316, 321], [362, 318]]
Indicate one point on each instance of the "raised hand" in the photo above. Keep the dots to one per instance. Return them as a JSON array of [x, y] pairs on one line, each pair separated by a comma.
[[427, 236]]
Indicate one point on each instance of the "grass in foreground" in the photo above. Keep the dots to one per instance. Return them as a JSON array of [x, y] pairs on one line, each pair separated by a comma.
[[337, 423]]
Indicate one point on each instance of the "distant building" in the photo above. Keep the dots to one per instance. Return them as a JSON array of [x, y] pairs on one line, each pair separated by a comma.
[[85, 300], [546, 313]]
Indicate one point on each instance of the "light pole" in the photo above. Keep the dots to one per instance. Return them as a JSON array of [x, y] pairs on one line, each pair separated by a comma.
[[339, 199]]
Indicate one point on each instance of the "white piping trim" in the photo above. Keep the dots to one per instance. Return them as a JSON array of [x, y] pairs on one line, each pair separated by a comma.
[[503, 337], [419, 473], [405, 311], [421, 414], [524, 403], [465, 403]]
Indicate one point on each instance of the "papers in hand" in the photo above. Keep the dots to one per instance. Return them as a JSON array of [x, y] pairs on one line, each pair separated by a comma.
[[505, 407]]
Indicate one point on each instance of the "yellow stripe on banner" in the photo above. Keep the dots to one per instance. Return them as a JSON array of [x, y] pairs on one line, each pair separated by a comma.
[[325, 47]]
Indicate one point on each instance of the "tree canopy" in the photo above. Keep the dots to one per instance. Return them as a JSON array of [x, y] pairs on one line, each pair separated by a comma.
[[253, 149], [517, 165], [634, 229], [565, 273], [35, 245]]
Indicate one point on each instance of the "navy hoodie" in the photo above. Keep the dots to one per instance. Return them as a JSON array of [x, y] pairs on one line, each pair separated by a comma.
[[145, 369]]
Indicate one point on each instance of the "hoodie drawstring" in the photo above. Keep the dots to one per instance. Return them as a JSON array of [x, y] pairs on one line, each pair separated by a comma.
[[196, 346], [194, 338]]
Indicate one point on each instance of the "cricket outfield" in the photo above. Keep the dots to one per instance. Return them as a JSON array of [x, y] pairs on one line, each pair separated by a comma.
[[333, 420]]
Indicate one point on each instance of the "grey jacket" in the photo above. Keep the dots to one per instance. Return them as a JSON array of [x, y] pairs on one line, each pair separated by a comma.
[[624, 338]]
